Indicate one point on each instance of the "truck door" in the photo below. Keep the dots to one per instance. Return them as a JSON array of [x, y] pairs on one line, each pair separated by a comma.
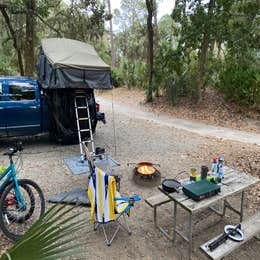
[[23, 108], [3, 98]]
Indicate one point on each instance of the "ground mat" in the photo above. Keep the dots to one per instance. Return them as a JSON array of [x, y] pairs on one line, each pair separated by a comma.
[[77, 167], [75, 196]]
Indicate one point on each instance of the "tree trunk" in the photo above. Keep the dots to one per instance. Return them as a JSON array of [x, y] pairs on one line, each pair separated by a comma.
[[219, 50], [203, 56], [156, 39], [155, 12], [113, 56], [149, 5], [201, 72], [29, 38], [14, 39]]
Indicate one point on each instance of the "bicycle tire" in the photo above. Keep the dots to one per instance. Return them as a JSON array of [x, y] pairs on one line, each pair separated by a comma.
[[25, 222], [12, 201]]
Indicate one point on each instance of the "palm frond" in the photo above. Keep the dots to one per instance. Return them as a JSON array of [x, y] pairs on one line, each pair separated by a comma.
[[51, 236]]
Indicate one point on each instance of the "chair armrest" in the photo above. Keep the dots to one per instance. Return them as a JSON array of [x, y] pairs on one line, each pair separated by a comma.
[[130, 199]]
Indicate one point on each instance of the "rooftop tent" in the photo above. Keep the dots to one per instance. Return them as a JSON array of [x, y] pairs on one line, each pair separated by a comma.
[[65, 63], [65, 68]]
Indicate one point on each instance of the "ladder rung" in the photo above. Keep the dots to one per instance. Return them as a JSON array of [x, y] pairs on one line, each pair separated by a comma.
[[84, 130], [80, 96], [78, 104]]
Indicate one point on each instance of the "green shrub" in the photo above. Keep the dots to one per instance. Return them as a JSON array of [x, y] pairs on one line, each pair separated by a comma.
[[140, 74], [132, 74], [117, 78], [5, 67], [174, 73], [128, 73], [240, 81]]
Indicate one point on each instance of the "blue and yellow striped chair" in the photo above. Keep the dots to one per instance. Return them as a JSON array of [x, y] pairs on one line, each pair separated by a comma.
[[106, 203]]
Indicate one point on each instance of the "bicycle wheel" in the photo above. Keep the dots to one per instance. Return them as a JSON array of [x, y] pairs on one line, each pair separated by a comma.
[[11, 204], [15, 220]]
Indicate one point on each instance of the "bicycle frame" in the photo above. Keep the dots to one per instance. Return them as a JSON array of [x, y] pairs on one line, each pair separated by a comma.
[[10, 174]]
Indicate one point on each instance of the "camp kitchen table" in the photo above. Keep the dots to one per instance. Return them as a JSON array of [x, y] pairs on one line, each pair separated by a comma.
[[234, 182]]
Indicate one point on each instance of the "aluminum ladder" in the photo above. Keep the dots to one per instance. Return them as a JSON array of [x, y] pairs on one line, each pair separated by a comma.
[[81, 105]]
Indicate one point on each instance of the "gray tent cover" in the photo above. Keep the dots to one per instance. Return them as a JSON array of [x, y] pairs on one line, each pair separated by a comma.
[[66, 63]]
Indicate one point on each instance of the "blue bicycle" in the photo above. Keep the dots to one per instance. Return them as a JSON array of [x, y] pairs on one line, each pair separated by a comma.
[[21, 200]]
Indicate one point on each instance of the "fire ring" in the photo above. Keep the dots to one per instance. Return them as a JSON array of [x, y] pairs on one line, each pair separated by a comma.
[[145, 169], [146, 174]]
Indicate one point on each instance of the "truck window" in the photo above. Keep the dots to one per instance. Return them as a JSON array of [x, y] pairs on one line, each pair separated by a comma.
[[21, 91]]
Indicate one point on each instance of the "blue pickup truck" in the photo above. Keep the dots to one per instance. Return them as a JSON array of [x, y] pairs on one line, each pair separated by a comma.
[[23, 109]]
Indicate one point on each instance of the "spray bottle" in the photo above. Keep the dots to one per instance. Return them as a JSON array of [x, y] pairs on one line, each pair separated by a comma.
[[214, 169]]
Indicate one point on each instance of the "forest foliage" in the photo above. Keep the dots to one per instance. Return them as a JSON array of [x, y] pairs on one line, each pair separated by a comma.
[[202, 43]]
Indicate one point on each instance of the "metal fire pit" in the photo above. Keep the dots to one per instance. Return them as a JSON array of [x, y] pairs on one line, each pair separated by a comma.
[[145, 173]]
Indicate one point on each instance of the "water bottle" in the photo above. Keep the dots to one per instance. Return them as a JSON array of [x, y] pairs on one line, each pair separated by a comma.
[[204, 172], [220, 167]]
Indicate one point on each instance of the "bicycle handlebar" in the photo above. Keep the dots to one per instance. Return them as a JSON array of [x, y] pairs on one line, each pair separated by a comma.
[[13, 150]]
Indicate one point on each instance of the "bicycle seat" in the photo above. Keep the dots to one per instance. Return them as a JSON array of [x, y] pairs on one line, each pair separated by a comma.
[[19, 146]]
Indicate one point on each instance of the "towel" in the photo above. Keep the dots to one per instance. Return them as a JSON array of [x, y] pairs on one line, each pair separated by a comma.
[[121, 205], [101, 192]]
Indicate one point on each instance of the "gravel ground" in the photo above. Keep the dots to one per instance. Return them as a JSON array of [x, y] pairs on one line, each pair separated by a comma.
[[143, 140]]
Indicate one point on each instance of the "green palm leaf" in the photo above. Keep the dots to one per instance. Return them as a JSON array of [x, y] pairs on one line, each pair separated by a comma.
[[51, 236]]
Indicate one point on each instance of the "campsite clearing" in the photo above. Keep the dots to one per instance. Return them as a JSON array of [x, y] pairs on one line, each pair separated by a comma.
[[175, 150]]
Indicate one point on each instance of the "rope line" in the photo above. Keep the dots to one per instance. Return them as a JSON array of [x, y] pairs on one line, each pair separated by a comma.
[[114, 124]]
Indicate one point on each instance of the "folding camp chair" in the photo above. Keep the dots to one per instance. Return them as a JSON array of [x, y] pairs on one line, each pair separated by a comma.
[[106, 203]]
